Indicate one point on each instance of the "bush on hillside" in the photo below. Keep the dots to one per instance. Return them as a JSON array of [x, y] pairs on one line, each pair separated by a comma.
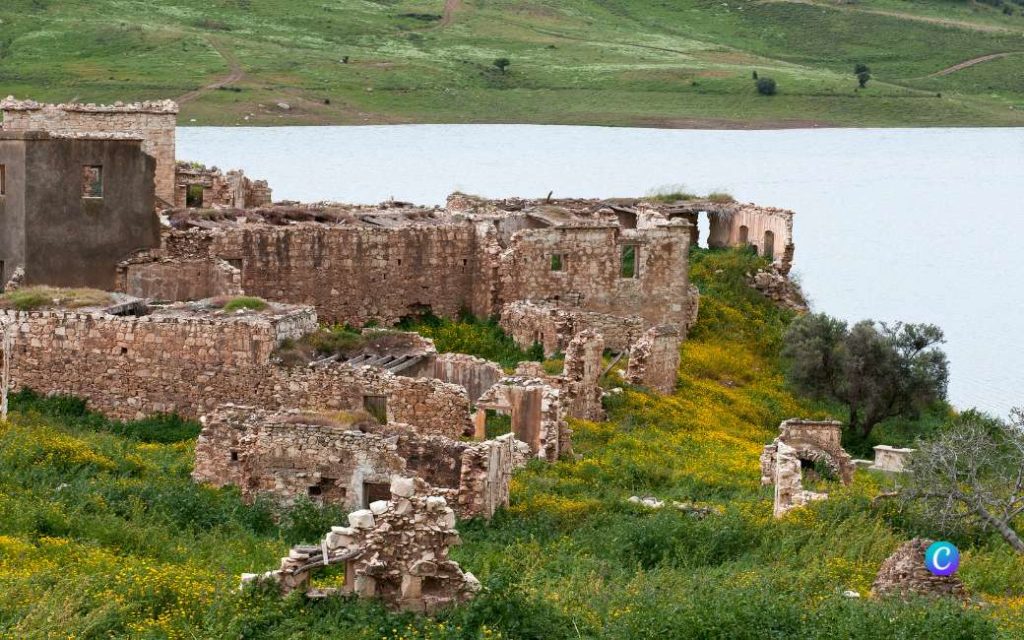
[[766, 86]]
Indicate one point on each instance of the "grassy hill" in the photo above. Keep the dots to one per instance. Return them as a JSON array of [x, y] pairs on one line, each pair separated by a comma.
[[678, 63], [103, 534]]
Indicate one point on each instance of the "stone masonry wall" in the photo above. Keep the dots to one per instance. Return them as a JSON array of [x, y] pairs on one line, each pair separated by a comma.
[[654, 359], [154, 122], [291, 454], [128, 367], [554, 327], [355, 274], [475, 374]]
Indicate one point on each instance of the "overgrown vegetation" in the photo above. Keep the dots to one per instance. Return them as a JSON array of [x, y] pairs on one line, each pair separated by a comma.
[[245, 303], [104, 535], [619, 62], [477, 337], [44, 297]]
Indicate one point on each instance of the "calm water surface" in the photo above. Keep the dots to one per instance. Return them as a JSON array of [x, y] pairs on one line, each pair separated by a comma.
[[919, 225]]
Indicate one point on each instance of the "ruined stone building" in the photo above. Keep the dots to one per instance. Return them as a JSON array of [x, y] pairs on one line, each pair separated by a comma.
[[323, 456], [72, 207], [197, 187], [804, 448], [151, 122], [396, 551]]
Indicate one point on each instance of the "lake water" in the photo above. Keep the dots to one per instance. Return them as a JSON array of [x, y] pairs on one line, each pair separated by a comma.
[[921, 225]]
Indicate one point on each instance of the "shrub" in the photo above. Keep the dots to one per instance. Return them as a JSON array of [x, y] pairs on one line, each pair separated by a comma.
[[766, 86], [502, 64]]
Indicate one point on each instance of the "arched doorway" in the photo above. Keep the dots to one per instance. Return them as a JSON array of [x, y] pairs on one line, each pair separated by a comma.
[[744, 235], [769, 245]]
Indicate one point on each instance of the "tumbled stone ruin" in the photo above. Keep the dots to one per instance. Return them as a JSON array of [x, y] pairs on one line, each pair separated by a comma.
[[654, 359], [199, 187], [801, 445], [349, 459], [904, 574], [814, 441], [396, 551]]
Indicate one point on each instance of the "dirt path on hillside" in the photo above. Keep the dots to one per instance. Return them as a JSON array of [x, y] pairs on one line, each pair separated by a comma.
[[236, 73], [970, 63], [949, 22], [450, 8]]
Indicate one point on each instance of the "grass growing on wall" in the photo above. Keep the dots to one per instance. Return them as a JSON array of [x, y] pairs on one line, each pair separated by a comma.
[[105, 535]]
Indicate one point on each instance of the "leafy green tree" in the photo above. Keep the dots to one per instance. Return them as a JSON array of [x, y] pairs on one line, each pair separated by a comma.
[[502, 64], [863, 73], [877, 370]]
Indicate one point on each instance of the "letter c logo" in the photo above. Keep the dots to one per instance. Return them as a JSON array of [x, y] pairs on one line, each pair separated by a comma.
[[942, 559]]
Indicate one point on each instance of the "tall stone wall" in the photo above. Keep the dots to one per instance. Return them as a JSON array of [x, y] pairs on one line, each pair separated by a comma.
[[591, 274], [356, 274], [154, 122], [129, 367], [554, 327]]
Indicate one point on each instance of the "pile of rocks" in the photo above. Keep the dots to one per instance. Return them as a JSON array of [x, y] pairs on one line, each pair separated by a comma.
[[779, 288], [397, 551], [904, 573]]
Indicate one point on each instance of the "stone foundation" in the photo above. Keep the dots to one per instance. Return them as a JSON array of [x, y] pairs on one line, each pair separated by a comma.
[[891, 459]]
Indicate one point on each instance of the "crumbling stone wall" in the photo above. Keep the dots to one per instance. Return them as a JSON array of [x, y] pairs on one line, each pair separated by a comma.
[[177, 279], [129, 367], [789, 490], [733, 224], [476, 375], [654, 359], [537, 411], [904, 574], [356, 274], [232, 189], [290, 454], [554, 327], [397, 551], [153, 122], [581, 374], [813, 441], [591, 276]]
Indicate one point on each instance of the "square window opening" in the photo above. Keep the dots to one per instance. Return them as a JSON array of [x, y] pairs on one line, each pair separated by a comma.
[[627, 268], [92, 181], [194, 196], [557, 262]]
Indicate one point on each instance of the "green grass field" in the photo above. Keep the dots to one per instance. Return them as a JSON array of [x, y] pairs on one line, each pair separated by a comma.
[[684, 63], [103, 534]]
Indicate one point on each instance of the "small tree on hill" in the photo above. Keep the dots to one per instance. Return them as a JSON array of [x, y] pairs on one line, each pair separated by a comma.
[[972, 474], [766, 86], [878, 371], [502, 64], [863, 73]]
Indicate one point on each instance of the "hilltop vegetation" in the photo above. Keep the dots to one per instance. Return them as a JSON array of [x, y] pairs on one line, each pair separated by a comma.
[[103, 534], [622, 62]]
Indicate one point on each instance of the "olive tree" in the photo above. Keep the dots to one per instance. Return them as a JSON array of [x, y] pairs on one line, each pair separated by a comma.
[[971, 474], [877, 370]]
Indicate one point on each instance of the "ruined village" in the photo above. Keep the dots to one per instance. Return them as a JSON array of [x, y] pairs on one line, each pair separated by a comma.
[[392, 430]]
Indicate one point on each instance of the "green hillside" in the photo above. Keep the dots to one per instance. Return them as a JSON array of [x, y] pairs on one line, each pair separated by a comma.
[[678, 63], [103, 534]]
